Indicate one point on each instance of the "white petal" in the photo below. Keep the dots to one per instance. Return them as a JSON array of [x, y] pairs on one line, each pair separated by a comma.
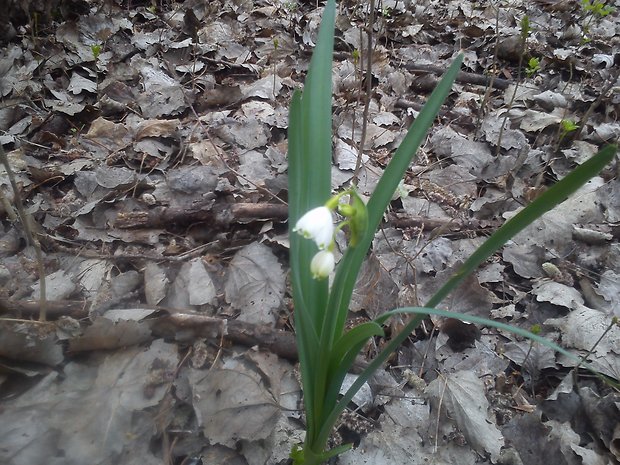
[[317, 224], [322, 264]]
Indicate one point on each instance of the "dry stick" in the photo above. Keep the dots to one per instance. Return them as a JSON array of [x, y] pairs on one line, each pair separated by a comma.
[[487, 93], [358, 163], [443, 391], [514, 94], [462, 77], [32, 239]]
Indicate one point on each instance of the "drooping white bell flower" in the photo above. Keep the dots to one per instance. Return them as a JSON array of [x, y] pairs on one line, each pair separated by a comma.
[[318, 225], [322, 264]]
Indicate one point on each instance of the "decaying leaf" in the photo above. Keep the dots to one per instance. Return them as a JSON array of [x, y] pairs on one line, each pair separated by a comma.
[[462, 395], [583, 327], [91, 414], [255, 284], [232, 405]]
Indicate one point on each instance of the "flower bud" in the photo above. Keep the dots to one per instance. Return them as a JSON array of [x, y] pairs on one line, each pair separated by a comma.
[[358, 222], [322, 264]]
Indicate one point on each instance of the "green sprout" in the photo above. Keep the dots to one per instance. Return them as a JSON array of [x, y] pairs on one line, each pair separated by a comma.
[[533, 66], [525, 28], [96, 50], [566, 127], [593, 10], [596, 8], [290, 6]]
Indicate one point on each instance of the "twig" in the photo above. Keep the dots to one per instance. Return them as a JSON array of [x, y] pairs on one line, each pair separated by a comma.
[[463, 77], [576, 134], [524, 35], [30, 237], [369, 26], [487, 93], [222, 215], [184, 324]]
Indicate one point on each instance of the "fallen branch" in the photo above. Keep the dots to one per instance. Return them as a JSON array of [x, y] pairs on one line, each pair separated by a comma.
[[222, 216], [219, 215], [173, 324], [462, 76]]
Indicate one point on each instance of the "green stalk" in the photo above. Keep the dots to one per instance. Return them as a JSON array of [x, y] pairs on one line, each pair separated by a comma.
[[346, 275], [349, 266], [310, 125]]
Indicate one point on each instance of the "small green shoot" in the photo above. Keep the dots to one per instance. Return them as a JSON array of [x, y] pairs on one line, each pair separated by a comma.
[[593, 10], [596, 8], [533, 66], [96, 50], [566, 127], [290, 6], [525, 28], [535, 329]]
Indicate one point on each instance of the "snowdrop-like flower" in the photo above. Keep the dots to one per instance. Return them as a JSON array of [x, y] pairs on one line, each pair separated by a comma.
[[322, 264], [318, 225]]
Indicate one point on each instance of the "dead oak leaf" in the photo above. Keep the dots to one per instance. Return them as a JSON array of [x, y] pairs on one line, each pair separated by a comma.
[[255, 284]]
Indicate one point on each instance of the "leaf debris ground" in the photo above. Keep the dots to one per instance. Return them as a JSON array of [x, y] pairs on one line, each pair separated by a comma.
[[155, 173]]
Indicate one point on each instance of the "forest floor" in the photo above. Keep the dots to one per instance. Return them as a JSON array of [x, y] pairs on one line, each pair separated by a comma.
[[148, 145]]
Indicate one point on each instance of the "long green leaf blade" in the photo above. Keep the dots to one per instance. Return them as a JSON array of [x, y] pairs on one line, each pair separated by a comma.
[[346, 275], [549, 199], [305, 331], [495, 324], [310, 124]]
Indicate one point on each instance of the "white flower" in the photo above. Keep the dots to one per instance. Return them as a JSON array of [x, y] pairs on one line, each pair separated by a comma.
[[318, 225], [322, 264]]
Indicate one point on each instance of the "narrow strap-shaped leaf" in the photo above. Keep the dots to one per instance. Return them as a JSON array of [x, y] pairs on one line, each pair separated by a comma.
[[346, 274], [496, 324], [305, 331], [548, 200], [310, 125], [344, 353], [361, 332]]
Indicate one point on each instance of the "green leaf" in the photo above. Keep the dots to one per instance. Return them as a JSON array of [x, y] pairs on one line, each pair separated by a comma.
[[349, 266], [309, 171], [548, 200], [531, 335], [348, 269], [346, 348]]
